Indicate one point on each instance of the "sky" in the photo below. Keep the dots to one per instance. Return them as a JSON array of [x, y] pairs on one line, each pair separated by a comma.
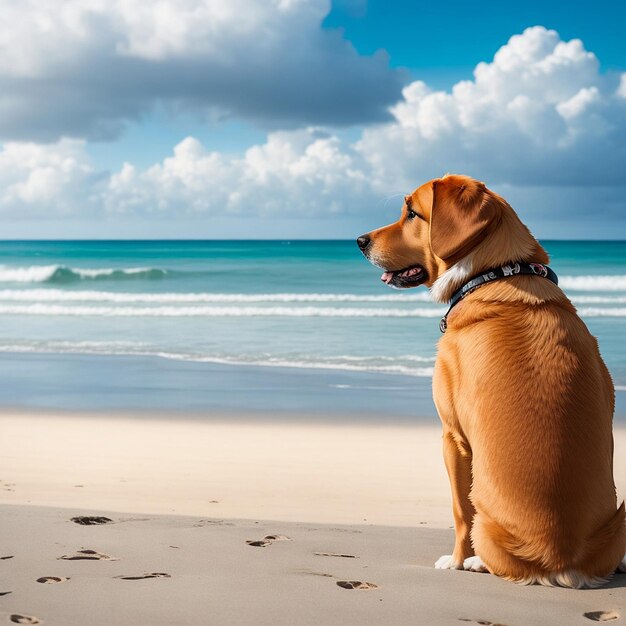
[[150, 119]]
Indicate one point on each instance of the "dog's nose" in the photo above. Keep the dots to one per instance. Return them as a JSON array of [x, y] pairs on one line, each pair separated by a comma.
[[363, 241]]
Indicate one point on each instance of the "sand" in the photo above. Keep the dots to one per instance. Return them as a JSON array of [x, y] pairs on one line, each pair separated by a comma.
[[340, 503]]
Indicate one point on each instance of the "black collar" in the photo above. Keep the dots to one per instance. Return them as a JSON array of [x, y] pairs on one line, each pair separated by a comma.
[[533, 269]]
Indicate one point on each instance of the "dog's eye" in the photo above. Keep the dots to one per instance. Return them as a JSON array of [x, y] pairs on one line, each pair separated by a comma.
[[410, 214]]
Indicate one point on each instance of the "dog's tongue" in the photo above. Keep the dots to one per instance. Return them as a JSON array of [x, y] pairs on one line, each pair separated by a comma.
[[387, 277]]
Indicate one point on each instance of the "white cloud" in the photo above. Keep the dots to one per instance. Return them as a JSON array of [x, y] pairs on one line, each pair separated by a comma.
[[298, 172], [98, 64], [539, 117], [142, 29], [47, 179], [539, 113]]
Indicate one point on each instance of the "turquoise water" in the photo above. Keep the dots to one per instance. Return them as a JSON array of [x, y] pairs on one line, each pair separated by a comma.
[[311, 312]]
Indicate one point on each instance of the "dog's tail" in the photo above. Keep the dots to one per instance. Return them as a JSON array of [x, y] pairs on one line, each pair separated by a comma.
[[592, 565]]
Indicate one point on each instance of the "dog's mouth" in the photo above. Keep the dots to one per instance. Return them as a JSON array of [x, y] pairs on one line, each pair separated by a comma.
[[406, 278]]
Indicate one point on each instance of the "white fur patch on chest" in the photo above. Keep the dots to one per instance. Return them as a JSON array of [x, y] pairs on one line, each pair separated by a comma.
[[451, 280]]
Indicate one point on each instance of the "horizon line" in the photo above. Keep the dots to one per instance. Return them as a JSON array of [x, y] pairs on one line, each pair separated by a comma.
[[269, 240]]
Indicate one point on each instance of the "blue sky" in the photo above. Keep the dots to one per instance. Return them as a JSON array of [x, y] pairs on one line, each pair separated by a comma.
[[303, 119], [450, 38]]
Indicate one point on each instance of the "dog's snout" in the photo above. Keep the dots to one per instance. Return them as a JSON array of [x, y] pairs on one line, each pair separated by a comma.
[[363, 241]]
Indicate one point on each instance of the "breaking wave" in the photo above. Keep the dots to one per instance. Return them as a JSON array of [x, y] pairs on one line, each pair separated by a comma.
[[62, 295], [211, 311], [62, 274], [59, 295], [593, 283], [407, 365], [45, 309]]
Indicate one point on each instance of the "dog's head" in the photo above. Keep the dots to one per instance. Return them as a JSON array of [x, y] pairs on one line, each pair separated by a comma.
[[443, 222]]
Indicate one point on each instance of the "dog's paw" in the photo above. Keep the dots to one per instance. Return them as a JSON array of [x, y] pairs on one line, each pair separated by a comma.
[[622, 566], [447, 562], [474, 564]]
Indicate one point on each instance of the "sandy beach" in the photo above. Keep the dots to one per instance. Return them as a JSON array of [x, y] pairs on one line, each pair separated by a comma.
[[217, 520]]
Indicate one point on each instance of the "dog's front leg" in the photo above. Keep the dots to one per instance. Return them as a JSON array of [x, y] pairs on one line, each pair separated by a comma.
[[458, 458]]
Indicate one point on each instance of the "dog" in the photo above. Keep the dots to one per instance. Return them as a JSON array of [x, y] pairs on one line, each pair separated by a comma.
[[524, 397]]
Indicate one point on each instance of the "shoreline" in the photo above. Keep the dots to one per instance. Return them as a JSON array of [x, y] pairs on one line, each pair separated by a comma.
[[154, 385], [133, 382], [228, 416]]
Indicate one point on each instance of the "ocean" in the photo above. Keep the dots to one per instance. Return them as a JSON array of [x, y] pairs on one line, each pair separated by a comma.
[[268, 327]]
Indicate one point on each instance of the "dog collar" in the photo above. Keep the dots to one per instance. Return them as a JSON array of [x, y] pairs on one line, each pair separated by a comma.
[[532, 269]]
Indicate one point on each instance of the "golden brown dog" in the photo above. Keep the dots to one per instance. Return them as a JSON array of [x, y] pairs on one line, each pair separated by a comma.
[[525, 399]]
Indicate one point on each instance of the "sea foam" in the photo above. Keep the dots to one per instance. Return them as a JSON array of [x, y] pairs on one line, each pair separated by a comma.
[[64, 274], [210, 311], [593, 283], [63, 295], [401, 365], [244, 311]]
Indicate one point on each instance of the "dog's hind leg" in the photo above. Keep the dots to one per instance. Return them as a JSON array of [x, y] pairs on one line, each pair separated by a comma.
[[458, 458]]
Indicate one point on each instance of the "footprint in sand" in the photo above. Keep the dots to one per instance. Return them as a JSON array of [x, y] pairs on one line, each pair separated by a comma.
[[212, 522], [356, 584], [143, 576], [268, 540], [87, 555], [51, 580], [91, 520], [16, 618], [483, 622], [310, 572], [343, 556], [337, 530], [601, 616], [277, 538]]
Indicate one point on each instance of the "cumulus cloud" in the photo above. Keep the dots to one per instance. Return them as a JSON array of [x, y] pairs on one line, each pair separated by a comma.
[[540, 116], [85, 68], [301, 173], [40, 179]]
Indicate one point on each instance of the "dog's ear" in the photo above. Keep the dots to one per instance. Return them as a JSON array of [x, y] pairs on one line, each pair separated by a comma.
[[463, 212]]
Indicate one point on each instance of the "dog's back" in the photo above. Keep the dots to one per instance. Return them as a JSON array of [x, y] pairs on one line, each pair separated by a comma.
[[533, 396]]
